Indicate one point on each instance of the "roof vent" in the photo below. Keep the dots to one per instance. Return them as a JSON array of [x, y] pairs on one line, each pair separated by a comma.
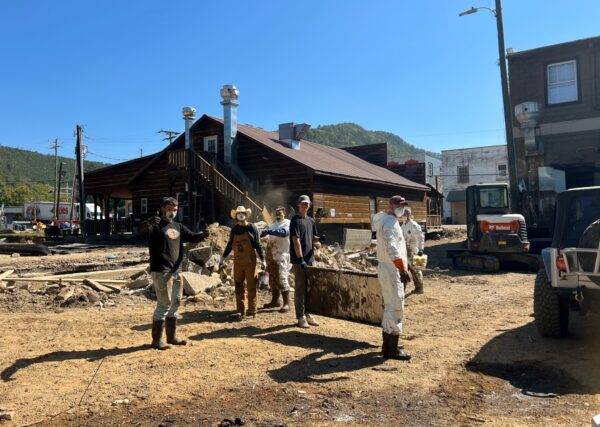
[[290, 134]]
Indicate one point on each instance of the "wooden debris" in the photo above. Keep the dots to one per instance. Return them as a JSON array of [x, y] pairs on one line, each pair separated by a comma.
[[24, 249], [95, 285]]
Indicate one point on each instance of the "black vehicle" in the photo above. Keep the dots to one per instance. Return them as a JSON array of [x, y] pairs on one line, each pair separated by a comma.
[[571, 263]]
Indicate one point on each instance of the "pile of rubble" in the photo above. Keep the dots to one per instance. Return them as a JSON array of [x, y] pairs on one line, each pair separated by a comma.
[[333, 256]]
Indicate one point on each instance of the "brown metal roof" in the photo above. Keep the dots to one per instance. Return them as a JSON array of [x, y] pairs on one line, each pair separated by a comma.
[[327, 160]]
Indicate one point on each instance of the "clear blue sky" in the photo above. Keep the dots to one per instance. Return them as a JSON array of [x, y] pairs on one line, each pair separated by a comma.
[[124, 69]]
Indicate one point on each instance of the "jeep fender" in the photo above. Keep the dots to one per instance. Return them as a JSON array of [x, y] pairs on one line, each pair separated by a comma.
[[548, 257]]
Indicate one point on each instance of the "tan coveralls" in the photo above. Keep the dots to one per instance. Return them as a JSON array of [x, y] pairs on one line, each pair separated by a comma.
[[244, 269]]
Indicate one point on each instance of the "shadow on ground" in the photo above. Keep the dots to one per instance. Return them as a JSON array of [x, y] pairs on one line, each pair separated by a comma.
[[540, 365], [313, 365], [61, 356], [195, 316]]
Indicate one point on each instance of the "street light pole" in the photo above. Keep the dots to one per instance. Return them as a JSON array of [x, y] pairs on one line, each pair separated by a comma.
[[189, 114], [508, 122]]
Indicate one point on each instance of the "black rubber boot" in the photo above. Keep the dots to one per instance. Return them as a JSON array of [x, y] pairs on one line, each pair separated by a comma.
[[286, 302], [274, 300], [157, 341], [171, 328], [392, 349]]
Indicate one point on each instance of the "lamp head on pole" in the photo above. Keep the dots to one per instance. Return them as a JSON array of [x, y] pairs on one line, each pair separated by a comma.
[[188, 112], [468, 11]]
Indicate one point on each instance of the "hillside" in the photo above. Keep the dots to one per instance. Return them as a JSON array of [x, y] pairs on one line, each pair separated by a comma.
[[27, 175], [348, 134]]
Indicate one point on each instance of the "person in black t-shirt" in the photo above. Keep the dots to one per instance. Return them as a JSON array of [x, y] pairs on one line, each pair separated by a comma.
[[303, 231], [165, 242]]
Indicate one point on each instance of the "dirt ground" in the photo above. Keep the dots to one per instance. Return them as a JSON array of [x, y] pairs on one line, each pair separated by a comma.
[[477, 359]]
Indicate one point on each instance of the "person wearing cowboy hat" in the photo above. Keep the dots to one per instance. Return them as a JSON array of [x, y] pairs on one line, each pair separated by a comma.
[[244, 241]]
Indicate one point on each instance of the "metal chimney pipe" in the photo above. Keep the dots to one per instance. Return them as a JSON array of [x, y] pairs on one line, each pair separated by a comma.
[[229, 96]]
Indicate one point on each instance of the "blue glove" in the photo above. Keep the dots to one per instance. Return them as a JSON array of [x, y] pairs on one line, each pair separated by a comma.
[[265, 233], [303, 265]]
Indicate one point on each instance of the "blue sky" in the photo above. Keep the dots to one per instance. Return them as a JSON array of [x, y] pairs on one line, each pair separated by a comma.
[[125, 69]]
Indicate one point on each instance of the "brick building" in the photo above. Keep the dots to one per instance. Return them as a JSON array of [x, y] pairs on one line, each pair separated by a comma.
[[555, 94]]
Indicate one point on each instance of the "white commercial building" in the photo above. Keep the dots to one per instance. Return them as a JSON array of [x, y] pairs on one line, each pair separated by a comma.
[[468, 166]]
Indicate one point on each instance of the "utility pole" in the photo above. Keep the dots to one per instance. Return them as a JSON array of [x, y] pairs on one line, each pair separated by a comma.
[[141, 152], [508, 123], [79, 153], [510, 141], [169, 134], [55, 146], [57, 202]]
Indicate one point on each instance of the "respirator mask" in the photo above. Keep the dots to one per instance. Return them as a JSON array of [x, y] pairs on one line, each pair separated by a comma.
[[170, 215], [240, 217]]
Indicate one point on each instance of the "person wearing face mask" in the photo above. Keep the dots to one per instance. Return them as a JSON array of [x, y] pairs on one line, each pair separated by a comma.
[[392, 272], [415, 242], [244, 241], [278, 260], [165, 242]]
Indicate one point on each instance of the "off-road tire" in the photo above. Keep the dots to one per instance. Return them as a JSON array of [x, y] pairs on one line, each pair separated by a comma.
[[550, 309]]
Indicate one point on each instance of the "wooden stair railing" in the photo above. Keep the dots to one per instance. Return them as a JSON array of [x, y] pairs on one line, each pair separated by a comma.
[[216, 180]]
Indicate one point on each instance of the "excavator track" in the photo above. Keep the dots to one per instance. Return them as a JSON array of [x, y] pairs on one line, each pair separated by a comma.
[[476, 262]]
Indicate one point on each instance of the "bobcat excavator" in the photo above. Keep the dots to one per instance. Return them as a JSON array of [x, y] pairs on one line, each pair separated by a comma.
[[494, 234]]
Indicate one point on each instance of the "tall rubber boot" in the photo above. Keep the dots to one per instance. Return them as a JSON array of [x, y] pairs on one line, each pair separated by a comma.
[[239, 301], [286, 302], [171, 329], [157, 330], [274, 298], [392, 349]]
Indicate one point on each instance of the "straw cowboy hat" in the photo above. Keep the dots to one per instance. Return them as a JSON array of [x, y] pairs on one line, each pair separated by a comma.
[[241, 209]]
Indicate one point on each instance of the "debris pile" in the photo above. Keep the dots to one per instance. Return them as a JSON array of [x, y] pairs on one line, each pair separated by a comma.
[[333, 256]]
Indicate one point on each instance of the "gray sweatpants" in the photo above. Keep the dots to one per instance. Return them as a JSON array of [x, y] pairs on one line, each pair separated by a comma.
[[169, 292]]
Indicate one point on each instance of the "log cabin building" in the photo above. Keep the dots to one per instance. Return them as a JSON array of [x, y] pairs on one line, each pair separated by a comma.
[[236, 164]]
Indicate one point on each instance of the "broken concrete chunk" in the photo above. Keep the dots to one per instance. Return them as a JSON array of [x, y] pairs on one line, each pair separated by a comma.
[[140, 282], [6, 415], [65, 294], [194, 283]]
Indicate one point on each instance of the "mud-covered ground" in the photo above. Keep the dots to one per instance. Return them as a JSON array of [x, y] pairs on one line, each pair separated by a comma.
[[477, 359]]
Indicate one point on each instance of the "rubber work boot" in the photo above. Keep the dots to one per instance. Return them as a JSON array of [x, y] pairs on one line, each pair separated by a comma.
[[274, 299], [384, 347], [286, 302], [171, 329], [392, 349], [157, 341]]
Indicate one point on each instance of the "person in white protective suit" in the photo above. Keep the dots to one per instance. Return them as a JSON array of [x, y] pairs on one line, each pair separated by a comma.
[[415, 242], [278, 260], [392, 272]]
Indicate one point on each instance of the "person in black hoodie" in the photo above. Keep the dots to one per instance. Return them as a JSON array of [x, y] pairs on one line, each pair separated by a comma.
[[244, 241], [165, 241]]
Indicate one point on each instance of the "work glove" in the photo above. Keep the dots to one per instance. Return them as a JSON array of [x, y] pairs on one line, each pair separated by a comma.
[[265, 233], [303, 265], [404, 276], [420, 253]]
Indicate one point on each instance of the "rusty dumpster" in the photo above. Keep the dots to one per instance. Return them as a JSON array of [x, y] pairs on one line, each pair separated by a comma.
[[344, 294]]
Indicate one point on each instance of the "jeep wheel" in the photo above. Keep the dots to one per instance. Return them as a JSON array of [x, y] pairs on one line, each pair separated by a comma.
[[550, 309]]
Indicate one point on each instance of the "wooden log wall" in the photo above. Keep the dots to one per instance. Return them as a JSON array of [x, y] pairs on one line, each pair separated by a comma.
[[348, 209]]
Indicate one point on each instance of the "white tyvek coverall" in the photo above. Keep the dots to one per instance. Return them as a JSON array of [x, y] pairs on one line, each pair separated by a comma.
[[390, 246], [415, 242], [279, 246]]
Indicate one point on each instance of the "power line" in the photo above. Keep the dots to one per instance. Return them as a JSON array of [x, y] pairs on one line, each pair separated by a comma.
[[169, 134], [105, 157]]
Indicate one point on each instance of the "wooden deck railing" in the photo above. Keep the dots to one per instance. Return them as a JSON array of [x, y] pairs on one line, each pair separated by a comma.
[[209, 173]]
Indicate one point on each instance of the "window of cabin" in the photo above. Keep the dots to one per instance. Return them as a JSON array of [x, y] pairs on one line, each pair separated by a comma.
[[463, 174], [429, 169], [210, 144], [562, 82], [502, 170], [144, 206]]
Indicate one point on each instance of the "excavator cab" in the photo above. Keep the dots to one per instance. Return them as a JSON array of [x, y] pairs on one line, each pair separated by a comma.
[[494, 234], [491, 227]]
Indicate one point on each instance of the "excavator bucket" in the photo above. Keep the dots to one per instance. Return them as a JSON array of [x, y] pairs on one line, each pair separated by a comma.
[[344, 294]]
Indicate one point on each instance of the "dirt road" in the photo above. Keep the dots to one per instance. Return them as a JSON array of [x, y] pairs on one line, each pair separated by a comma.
[[477, 359]]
